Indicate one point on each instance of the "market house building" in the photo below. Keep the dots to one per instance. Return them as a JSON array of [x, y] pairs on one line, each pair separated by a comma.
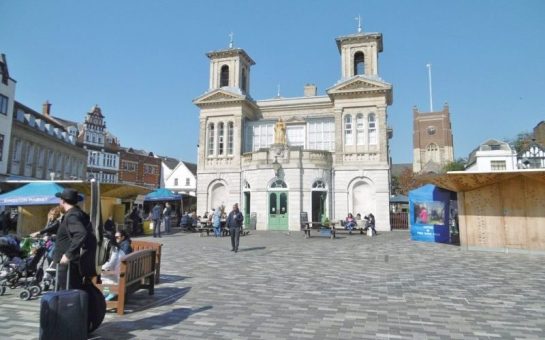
[[326, 155]]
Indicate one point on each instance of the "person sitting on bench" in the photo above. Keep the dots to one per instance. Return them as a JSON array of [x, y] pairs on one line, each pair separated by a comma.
[[110, 269], [349, 222]]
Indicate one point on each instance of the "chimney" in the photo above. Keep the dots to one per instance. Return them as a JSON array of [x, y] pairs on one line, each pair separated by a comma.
[[46, 108], [310, 90]]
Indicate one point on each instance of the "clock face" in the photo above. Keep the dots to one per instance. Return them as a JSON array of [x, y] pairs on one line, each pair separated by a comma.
[[431, 130]]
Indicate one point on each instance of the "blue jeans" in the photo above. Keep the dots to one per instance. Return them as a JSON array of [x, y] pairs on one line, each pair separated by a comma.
[[167, 224], [217, 231], [157, 228], [349, 225]]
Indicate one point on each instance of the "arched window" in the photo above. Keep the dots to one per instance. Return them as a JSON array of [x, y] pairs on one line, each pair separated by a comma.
[[230, 134], [279, 184], [359, 64], [360, 129], [243, 81], [221, 141], [318, 185], [348, 133], [372, 129], [224, 76], [432, 153], [210, 139]]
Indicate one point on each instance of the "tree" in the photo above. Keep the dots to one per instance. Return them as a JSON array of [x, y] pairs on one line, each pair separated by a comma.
[[521, 142], [407, 181], [456, 165]]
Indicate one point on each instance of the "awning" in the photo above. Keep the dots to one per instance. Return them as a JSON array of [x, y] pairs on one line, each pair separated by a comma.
[[469, 180], [38, 193], [162, 194]]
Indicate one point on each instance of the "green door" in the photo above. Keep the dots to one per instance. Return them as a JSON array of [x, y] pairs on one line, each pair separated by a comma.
[[278, 210], [246, 209]]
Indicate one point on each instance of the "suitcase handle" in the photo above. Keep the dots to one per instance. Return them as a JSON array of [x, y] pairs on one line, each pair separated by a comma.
[[57, 277]]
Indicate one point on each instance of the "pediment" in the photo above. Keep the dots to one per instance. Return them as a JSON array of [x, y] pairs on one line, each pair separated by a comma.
[[218, 96], [359, 84]]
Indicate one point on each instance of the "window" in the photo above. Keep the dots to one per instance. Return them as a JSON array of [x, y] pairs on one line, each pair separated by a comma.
[[150, 169], [359, 64], [175, 182], [221, 145], [67, 169], [41, 159], [210, 139], [321, 134], [1, 146], [17, 151], [259, 135], [30, 155], [187, 181], [230, 134], [372, 129], [497, 165], [279, 184], [224, 76], [319, 184], [243, 81], [495, 147], [432, 153], [129, 166], [360, 129], [295, 135], [50, 161], [4, 104], [348, 136]]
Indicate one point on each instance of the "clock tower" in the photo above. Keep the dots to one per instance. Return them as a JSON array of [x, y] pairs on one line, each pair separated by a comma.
[[432, 140]]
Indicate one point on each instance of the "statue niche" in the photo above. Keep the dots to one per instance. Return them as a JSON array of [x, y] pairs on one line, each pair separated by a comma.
[[280, 132]]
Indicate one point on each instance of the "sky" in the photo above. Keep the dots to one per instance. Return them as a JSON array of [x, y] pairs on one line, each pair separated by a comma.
[[143, 62]]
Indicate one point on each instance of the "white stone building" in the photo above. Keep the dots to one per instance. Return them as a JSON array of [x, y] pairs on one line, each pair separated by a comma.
[[492, 155], [7, 98], [333, 160]]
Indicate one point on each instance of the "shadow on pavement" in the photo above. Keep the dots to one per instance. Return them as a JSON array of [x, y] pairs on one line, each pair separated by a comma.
[[252, 248], [168, 278], [121, 330]]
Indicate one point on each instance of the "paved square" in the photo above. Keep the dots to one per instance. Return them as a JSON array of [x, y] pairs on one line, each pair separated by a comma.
[[282, 286]]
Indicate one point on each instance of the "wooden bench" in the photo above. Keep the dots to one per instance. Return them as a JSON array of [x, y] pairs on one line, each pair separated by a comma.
[[141, 245], [308, 226], [136, 271]]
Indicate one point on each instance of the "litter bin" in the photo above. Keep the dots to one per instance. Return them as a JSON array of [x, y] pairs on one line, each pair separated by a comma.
[[253, 221], [147, 228]]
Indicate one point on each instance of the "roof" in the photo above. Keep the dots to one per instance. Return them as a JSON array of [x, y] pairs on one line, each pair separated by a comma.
[[191, 167], [170, 162], [469, 180]]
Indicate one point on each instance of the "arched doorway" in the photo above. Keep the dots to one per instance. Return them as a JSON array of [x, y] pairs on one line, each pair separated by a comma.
[[278, 205], [319, 196]]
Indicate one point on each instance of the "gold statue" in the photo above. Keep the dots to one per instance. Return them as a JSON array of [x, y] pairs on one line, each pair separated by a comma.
[[280, 132]]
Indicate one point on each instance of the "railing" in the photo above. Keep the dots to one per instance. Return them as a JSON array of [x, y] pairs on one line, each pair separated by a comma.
[[399, 220]]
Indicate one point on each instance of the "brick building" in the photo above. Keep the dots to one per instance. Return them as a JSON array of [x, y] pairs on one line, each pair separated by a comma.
[[139, 167]]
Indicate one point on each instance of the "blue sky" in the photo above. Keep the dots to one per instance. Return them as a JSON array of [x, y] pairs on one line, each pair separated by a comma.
[[143, 62]]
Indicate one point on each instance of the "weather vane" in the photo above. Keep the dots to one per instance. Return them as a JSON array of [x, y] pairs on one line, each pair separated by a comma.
[[358, 18], [231, 39]]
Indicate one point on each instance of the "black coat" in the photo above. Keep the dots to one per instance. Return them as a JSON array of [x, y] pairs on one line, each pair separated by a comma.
[[71, 235]]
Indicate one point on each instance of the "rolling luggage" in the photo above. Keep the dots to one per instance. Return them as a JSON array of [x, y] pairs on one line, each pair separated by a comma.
[[63, 314]]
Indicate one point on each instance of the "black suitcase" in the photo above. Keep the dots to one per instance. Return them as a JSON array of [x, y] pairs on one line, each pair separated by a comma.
[[63, 314]]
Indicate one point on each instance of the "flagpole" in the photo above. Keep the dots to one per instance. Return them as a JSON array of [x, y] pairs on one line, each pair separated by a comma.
[[429, 83]]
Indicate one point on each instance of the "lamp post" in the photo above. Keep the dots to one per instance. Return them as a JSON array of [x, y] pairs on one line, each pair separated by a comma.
[[276, 166]]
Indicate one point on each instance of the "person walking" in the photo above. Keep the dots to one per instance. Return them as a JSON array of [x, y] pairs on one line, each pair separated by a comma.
[[234, 223], [73, 235], [156, 218], [166, 217], [216, 221]]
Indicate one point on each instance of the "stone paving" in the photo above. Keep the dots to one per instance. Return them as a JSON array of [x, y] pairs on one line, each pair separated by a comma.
[[282, 286]]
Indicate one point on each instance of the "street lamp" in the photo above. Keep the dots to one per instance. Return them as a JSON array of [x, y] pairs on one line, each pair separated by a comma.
[[276, 166]]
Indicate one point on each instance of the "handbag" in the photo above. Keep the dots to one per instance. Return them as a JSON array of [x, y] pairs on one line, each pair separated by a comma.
[[151, 225]]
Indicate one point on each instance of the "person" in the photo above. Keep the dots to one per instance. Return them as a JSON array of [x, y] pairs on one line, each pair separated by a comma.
[[370, 223], [423, 215], [166, 217], [234, 223], [109, 227], [73, 234], [54, 217], [134, 216], [216, 221], [4, 221], [110, 269], [349, 222], [185, 221], [155, 216]]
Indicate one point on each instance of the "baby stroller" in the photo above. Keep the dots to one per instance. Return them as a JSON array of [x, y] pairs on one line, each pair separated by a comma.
[[9, 249], [25, 272]]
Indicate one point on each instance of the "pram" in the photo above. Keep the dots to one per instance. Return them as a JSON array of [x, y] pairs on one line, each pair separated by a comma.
[[27, 273]]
